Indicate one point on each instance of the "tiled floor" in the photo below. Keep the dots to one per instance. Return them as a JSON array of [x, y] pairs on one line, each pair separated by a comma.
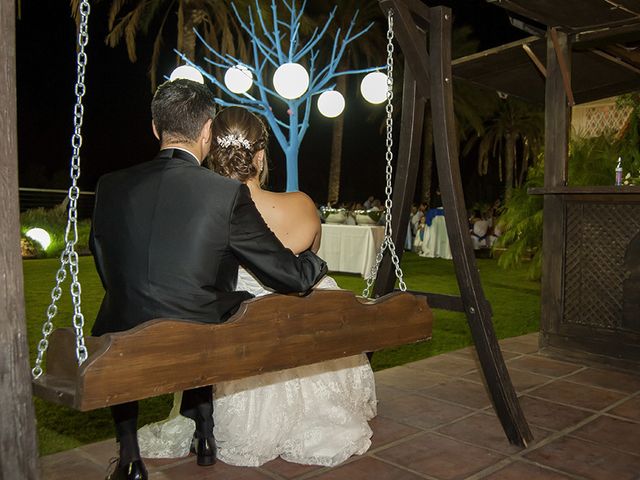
[[435, 422]]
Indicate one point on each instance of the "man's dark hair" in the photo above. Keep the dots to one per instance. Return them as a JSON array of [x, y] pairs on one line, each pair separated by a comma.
[[180, 108]]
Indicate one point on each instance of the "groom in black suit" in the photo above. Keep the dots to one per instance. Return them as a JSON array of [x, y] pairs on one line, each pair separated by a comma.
[[167, 237]]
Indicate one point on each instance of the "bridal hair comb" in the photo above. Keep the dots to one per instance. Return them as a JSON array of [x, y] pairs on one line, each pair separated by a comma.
[[232, 140]]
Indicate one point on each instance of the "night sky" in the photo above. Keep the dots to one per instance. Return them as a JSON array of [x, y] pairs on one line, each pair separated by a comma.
[[117, 131]]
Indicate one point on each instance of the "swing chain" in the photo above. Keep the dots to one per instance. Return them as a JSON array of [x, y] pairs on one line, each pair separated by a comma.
[[69, 256], [388, 243]]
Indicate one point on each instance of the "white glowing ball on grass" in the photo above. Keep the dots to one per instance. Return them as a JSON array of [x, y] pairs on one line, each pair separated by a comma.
[[291, 80], [238, 79], [187, 72], [39, 235], [331, 103], [374, 87]]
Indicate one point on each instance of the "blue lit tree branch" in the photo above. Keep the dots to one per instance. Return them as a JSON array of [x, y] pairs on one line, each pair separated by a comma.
[[271, 48]]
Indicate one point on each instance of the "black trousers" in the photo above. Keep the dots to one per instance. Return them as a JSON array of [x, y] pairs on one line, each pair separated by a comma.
[[197, 404]]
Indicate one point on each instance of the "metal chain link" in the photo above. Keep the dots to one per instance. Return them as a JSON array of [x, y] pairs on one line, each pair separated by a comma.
[[69, 256], [387, 243]]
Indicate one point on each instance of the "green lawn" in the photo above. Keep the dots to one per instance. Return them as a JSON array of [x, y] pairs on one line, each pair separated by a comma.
[[514, 298]]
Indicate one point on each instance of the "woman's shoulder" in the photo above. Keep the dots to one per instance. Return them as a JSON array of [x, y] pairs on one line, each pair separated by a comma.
[[298, 202]]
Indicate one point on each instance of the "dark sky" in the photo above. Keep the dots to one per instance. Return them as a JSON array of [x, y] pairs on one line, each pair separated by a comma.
[[117, 129]]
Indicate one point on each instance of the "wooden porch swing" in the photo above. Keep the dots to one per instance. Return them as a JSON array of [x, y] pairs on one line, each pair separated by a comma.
[[278, 331]]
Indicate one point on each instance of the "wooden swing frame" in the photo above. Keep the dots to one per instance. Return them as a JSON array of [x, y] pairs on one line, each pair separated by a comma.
[[427, 76], [277, 331]]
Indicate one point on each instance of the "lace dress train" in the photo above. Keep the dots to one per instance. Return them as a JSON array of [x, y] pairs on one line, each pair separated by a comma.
[[315, 415]]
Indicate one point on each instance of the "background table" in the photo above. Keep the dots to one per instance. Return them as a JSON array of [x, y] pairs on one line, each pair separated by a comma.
[[350, 248]]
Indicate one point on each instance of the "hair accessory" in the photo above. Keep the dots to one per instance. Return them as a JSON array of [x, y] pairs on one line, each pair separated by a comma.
[[232, 140]]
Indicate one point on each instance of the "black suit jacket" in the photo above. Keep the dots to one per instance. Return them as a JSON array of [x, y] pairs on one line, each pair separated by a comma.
[[167, 237]]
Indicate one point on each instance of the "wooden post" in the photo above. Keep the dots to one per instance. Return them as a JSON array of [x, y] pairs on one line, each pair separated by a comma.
[[18, 450], [556, 153], [474, 301]]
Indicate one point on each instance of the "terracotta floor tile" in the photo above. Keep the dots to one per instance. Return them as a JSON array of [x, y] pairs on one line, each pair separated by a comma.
[[420, 411], [387, 431], [409, 379], [543, 366], [523, 380], [68, 465], [577, 395], [385, 393], [446, 364], [530, 338], [611, 379], [366, 468], [629, 409], [525, 471], [550, 415], [102, 452], [440, 457], [471, 354], [287, 469], [485, 431], [191, 470], [518, 345], [590, 460], [619, 434], [459, 391]]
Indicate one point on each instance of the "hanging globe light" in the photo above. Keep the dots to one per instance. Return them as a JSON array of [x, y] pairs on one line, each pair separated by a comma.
[[291, 80], [187, 72], [238, 79], [331, 103], [39, 235], [374, 87]]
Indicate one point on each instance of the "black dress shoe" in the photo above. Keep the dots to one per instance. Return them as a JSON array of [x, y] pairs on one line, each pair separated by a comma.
[[129, 471], [205, 449]]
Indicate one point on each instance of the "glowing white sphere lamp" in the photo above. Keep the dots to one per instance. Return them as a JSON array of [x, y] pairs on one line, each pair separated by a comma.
[[186, 72], [291, 80], [331, 103], [39, 235], [374, 87], [238, 79]]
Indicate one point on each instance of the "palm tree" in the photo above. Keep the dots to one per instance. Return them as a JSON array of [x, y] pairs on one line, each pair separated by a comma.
[[514, 132], [214, 20]]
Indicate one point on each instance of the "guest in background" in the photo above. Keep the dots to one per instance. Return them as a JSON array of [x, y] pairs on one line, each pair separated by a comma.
[[368, 203], [420, 237]]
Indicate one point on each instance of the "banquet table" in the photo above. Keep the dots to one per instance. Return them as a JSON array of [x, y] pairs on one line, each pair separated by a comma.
[[350, 248]]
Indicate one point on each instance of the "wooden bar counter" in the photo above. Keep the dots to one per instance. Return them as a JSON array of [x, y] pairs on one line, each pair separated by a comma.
[[598, 262]]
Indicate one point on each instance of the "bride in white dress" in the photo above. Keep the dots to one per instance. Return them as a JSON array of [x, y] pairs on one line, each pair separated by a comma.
[[316, 414]]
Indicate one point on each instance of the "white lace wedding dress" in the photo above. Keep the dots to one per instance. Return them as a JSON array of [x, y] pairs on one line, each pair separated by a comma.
[[315, 415]]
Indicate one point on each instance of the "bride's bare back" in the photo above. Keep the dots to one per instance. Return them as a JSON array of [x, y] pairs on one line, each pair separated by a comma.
[[291, 216]]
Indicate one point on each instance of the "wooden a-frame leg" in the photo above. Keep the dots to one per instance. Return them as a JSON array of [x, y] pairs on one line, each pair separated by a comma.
[[404, 186], [476, 306]]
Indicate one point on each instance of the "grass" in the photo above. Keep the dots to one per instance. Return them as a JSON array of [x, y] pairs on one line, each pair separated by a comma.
[[514, 298]]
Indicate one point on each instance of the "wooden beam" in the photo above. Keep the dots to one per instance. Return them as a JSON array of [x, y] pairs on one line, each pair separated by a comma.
[[408, 35], [536, 61], [562, 65], [18, 449], [476, 307]]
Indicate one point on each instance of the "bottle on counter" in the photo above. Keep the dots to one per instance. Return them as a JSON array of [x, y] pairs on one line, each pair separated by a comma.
[[619, 172]]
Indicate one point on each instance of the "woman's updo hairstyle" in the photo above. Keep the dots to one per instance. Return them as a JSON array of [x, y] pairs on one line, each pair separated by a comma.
[[238, 135]]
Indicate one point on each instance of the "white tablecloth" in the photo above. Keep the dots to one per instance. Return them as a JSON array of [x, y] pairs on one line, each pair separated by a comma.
[[350, 248]]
